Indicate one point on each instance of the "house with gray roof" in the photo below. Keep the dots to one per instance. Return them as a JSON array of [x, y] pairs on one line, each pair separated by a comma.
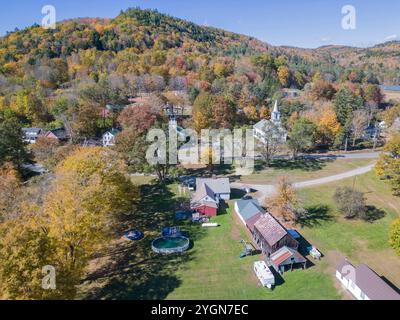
[[59, 134], [220, 186], [209, 193], [30, 135], [363, 283]]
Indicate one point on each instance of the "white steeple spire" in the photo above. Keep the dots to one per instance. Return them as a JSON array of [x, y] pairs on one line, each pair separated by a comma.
[[276, 115]]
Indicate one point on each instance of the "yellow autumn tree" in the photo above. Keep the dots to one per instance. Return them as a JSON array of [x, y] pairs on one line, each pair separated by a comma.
[[88, 197], [251, 113], [283, 204], [284, 76], [10, 183], [328, 127]]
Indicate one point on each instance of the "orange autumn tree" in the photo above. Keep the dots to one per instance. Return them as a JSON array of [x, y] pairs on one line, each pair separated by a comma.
[[284, 204]]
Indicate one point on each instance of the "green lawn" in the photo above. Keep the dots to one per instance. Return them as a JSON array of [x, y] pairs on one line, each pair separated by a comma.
[[360, 241], [212, 269], [301, 170], [216, 271]]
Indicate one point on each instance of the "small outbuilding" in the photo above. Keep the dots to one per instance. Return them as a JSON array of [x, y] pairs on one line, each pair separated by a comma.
[[286, 259]]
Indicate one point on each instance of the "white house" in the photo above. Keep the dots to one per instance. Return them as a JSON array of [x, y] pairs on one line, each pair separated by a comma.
[[109, 137], [261, 129], [363, 283], [30, 135]]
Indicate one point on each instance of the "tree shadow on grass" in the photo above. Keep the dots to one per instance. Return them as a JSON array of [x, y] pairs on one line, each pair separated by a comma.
[[131, 270], [315, 216], [373, 214], [305, 164]]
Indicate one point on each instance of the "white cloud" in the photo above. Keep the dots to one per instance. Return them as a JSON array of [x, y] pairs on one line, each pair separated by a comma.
[[326, 39], [391, 37]]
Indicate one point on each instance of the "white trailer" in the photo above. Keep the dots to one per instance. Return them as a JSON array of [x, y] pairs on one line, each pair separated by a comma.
[[264, 274], [210, 225]]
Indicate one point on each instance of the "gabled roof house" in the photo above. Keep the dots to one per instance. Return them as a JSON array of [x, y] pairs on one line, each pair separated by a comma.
[[363, 283], [30, 135], [109, 137], [209, 193]]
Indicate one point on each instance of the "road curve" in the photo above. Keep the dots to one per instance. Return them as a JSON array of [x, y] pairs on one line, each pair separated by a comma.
[[265, 191]]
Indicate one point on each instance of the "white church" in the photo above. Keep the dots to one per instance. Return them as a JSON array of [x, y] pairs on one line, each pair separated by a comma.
[[262, 128]]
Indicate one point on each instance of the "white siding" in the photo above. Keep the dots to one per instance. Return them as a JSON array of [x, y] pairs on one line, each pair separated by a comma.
[[225, 196], [352, 287]]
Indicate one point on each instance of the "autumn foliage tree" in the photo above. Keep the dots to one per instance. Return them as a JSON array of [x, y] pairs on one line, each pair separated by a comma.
[[89, 196], [395, 236], [388, 166], [140, 118], [10, 183], [284, 203]]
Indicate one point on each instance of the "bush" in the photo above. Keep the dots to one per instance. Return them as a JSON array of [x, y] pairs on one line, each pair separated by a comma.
[[350, 202]]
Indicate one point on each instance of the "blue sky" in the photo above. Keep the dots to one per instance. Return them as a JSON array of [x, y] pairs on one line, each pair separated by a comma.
[[303, 23]]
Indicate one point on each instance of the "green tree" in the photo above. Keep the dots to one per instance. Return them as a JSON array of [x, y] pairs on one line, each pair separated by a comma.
[[346, 102], [12, 147], [302, 136]]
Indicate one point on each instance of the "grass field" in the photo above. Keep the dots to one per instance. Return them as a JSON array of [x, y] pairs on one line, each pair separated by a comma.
[[360, 241], [216, 271], [301, 170], [212, 269]]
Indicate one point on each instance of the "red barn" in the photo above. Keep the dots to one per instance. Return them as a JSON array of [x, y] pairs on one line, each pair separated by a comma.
[[206, 208], [204, 201]]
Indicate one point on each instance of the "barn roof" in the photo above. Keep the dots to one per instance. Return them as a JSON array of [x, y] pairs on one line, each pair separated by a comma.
[[270, 229], [251, 222], [283, 254], [249, 208]]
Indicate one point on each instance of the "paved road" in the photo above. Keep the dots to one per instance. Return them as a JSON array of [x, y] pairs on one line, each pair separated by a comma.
[[265, 191], [355, 155], [337, 177], [361, 155]]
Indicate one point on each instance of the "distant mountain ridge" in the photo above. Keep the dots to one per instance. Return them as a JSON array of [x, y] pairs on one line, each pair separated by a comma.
[[148, 29]]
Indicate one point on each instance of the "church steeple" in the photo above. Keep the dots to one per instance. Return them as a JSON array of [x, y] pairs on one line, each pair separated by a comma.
[[276, 115]]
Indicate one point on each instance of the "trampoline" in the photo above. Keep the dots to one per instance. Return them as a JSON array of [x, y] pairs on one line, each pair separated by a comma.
[[134, 235], [169, 245]]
